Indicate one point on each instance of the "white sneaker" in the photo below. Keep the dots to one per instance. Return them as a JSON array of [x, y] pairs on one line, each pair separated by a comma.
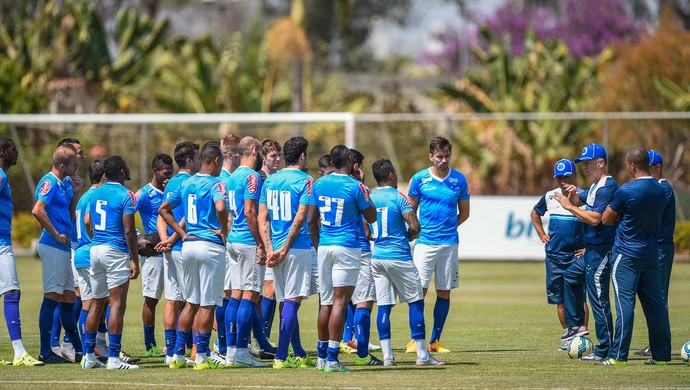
[[67, 350], [56, 350], [374, 347], [168, 359], [89, 364], [335, 367], [217, 358], [430, 361], [254, 351], [320, 364], [247, 361], [389, 362], [120, 365]]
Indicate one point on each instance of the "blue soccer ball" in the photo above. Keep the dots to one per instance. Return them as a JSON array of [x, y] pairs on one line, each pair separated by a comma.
[[685, 352]]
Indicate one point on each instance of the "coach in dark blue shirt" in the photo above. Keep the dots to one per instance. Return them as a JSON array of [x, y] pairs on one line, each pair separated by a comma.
[[635, 265]]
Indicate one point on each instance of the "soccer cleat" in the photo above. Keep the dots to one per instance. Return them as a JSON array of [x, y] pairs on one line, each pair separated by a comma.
[[67, 351], [305, 362], [26, 361], [591, 358], [120, 365], [5, 363], [127, 358], [209, 364], [653, 362], [352, 344], [217, 358], [346, 348], [411, 347], [187, 363], [192, 355], [335, 367], [368, 361], [154, 351], [89, 364], [374, 347], [254, 351], [389, 362], [263, 354], [289, 362], [56, 349], [437, 347], [564, 345], [574, 331], [175, 364], [646, 351], [611, 362], [430, 361], [320, 364], [247, 361], [53, 359]]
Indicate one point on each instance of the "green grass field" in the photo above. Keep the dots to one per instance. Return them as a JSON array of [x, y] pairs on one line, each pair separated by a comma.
[[501, 331]]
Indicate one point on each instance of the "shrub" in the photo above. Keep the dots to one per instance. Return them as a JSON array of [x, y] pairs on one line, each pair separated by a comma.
[[24, 229]]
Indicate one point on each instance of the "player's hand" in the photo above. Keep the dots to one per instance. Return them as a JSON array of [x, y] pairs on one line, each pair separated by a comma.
[[77, 182], [260, 255], [563, 200], [62, 239], [277, 257], [579, 252], [164, 246], [134, 271], [545, 239]]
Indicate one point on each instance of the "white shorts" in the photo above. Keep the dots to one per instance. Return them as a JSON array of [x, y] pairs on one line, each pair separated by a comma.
[[8, 270], [314, 279], [292, 277], [57, 269], [152, 285], [441, 260], [172, 274], [248, 275], [395, 278], [110, 268], [204, 263], [84, 282], [75, 274], [338, 267], [365, 291], [230, 266], [268, 274]]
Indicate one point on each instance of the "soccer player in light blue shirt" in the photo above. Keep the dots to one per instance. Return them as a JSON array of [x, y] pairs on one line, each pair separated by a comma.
[[186, 156], [9, 281], [637, 208], [52, 211], [593, 269], [114, 261], [393, 269], [202, 198], [341, 202], [283, 214], [442, 197], [563, 243], [149, 199]]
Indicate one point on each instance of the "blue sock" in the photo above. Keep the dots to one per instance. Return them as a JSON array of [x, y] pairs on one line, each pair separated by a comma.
[[202, 340], [362, 330], [416, 319], [56, 328], [288, 322], [114, 345], [322, 349], [45, 324], [89, 341], [170, 340], [181, 343], [83, 314], [77, 309], [107, 317], [14, 324], [440, 314], [349, 329], [383, 321], [220, 327], [231, 322], [332, 352], [259, 335], [245, 316], [191, 340], [67, 318], [149, 336], [296, 341], [268, 311]]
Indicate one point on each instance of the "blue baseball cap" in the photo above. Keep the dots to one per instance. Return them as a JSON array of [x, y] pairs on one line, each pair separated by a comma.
[[563, 167], [591, 152], [654, 157]]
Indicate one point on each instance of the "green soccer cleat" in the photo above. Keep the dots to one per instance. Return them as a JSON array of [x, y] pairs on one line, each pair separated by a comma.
[[305, 362], [368, 361], [154, 351], [287, 363]]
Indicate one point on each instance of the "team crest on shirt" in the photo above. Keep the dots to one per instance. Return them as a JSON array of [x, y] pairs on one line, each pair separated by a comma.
[[453, 180], [407, 198], [134, 199], [310, 182], [221, 188], [252, 183], [45, 187], [426, 180], [365, 191]]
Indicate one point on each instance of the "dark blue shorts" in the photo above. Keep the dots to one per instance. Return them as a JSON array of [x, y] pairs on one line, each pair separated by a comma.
[[555, 267]]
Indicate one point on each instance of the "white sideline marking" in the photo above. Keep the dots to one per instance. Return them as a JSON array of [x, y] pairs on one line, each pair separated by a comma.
[[190, 386]]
